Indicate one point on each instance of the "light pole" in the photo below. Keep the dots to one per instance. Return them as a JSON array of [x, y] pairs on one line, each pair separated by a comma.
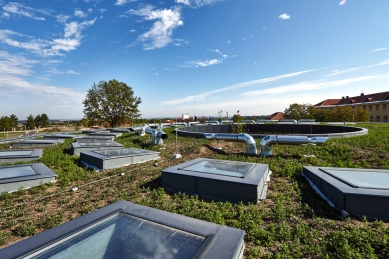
[[227, 115]]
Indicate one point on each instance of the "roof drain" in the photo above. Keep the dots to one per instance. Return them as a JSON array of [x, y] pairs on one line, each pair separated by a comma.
[[158, 136], [251, 148], [288, 140]]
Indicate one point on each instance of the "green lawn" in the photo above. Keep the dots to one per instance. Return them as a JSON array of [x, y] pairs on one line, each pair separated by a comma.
[[293, 222]]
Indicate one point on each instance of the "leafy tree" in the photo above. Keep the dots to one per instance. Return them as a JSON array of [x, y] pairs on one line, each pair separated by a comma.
[[362, 115], [45, 122], [237, 118], [111, 101], [14, 120], [37, 121], [298, 111], [30, 124], [5, 123]]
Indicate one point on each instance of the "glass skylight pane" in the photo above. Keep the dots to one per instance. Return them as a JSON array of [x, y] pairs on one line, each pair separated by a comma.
[[97, 144], [119, 152], [220, 168], [361, 179], [15, 153], [126, 237], [18, 171]]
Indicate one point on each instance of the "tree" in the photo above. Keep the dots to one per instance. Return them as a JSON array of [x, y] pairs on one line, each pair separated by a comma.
[[30, 123], [5, 123], [37, 120], [362, 115], [14, 120], [111, 101], [298, 111], [45, 122]]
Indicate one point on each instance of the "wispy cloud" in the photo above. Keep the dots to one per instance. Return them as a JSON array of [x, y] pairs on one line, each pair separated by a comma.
[[123, 2], [202, 96], [305, 86], [58, 72], [284, 16], [13, 69], [80, 14], [207, 62], [196, 3], [70, 41], [380, 49], [161, 32], [22, 10], [339, 72]]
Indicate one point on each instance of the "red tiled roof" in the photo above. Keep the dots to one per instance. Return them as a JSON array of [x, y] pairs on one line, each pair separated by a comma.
[[328, 102], [276, 116], [356, 99]]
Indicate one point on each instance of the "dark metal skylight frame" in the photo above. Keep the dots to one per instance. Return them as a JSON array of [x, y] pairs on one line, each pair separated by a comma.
[[42, 175], [347, 196], [251, 188], [16, 155], [219, 241]]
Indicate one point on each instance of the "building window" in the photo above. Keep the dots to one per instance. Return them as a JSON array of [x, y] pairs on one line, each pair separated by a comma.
[[385, 107], [385, 118], [370, 108], [378, 118], [364, 107], [377, 107], [371, 118]]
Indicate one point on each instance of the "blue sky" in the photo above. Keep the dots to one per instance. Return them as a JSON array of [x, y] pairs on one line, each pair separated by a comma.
[[193, 56]]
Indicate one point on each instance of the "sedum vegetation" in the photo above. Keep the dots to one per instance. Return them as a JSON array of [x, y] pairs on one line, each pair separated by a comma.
[[293, 221]]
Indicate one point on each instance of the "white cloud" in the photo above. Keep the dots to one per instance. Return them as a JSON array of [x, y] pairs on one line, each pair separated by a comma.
[[306, 86], [71, 72], [284, 16], [380, 49], [160, 34], [339, 72], [12, 70], [72, 39], [123, 2], [196, 3], [15, 64], [228, 42], [102, 10], [80, 14], [209, 62], [21, 10], [132, 30], [202, 96], [62, 18], [90, 10], [5, 15]]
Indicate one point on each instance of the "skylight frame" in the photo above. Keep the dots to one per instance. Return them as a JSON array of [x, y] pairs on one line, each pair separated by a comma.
[[214, 245]]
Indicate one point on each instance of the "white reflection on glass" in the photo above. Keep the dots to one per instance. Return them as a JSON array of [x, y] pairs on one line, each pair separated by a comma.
[[221, 168], [126, 237], [362, 179], [119, 152], [18, 171], [15, 153], [97, 144]]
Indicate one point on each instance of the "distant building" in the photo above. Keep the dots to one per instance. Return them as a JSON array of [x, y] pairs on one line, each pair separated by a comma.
[[185, 116], [376, 104], [275, 116]]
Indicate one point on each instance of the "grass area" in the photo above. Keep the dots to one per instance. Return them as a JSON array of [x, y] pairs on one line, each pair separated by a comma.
[[293, 222]]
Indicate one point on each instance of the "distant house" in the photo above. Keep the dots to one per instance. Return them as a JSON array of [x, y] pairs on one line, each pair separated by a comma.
[[376, 104], [275, 116]]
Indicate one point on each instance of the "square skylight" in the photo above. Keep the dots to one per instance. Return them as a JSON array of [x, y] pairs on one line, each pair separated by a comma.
[[218, 180], [13, 156], [114, 158], [78, 147], [127, 230], [28, 175], [362, 192], [36, 143]]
